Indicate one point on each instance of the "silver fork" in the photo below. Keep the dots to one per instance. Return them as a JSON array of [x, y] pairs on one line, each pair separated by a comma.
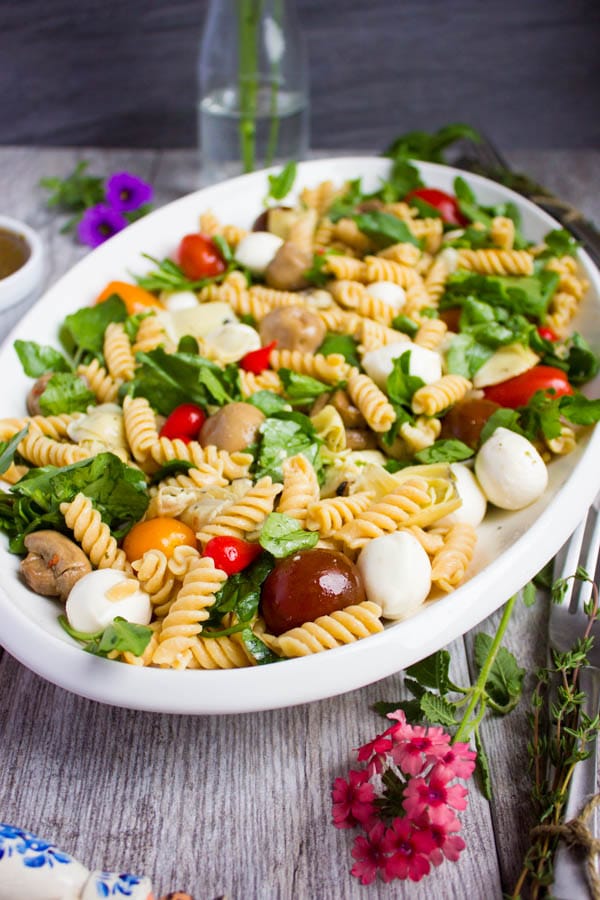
[[567, 623]]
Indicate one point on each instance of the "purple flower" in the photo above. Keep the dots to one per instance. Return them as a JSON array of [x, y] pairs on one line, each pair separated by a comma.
[[126, 192], [99, 223]]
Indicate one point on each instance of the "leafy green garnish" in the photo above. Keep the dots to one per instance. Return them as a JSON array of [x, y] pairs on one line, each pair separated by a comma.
[[465, 355], [281, 184], [467, 203], [66, 393], [444, 451], [401, 385], [316, 274], [500, 418], [559, 243], [405, 325], [257, 649], [168, 276], [37, 359], [527, 295], [344, 344], [403, 178], [301, 390], [75, 193], [579, 410], [173, 467], [385, 229], [282, 435], [9, 448], [268, 402], [120, 635], [430, 146], [167, 380], [239, 595], [281, 536], [344, 206], [84, 330], [117, 491]]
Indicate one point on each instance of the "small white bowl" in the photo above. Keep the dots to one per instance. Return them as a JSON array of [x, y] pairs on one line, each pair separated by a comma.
[[25, 283]]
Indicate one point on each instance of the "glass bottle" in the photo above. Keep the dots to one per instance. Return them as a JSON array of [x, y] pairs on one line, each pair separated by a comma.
[[253, 87]]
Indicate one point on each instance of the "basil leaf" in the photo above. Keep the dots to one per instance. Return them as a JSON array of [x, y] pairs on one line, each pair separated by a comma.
[[121, 635], [8, 449], [37, 359], [501, 418], [66, 393], [401, 385], [281, 184], [541, 414], [466, 356], [268, 402], [426, 210], [385, 229], [582, 362], [85, 328], [579, 410], [283, 437], [301, 390], [444, 451], [257, 649], [281, 536], [341, 343], [188, 344], [239, 595]]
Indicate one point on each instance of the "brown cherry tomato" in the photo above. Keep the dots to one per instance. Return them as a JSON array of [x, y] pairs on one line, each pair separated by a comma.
[[466, 419], [309, 584], [451, 317]]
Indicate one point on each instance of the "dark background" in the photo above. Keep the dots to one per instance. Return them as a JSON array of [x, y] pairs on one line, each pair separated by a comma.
[[122, 73]]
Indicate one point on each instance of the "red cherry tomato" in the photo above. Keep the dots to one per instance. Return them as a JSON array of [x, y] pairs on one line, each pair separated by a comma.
[[184, 423], [519, 390], [231, 554], [446, 204], [257, 360], [547, 333], [199, 257]]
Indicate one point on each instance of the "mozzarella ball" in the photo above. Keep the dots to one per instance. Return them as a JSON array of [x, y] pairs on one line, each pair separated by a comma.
[[102, 595], [396, 573], [256, 251], [474, 503], [230, 342], [510, 471], [450, 256], [388, 292], [178, 300], [426, 364]]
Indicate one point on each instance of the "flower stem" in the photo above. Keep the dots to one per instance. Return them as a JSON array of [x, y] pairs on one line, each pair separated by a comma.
[[469, 724], [248, 80]]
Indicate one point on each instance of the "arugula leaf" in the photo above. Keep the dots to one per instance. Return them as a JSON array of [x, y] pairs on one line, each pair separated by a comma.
[[301, 390], [405, 325], [500, 418], [426, 210], [385, 229], [403, 178], [66, 393], [541, 415], [527, 295], [85, 328], [281, 536], [239, 595], [466, 355], [117, 491], [401, 385], [579, 410], [582, 362], [268, 402], [168, 276], [37, 359], [173, 467], [257, 649], [316, 274], [223, 248], [505, 680], [283, 435], [467, 203], [344, 344], [444, 451], [8, 449], [344, 206], [119, 635], [559, 242], [281, 184], [167, 380]]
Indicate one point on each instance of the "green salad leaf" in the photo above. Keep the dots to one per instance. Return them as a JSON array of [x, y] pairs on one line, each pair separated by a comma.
[[444, 451], [344, 344], [300, 390], [282, 435], [281, 536], [239, 595], [385, 229], [281, 184], [9, 448], [83, 331], [38, 359], [120, 635], [66, 393]]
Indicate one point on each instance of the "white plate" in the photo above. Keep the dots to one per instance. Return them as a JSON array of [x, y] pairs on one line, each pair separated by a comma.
[[512, 547]]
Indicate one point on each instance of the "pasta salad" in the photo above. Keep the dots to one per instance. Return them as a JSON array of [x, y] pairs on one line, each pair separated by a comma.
[[281, 438]]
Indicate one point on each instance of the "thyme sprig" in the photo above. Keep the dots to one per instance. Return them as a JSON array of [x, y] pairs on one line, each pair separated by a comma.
[[556, 746]]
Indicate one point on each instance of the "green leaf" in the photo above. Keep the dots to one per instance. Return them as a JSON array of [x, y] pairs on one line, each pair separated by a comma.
[[86, 327], [466, 355], [559, 242], [483, 767], [66, 393], [188, 344], [582, 363], [528, 594], [168, 276], [405, 325], [579, 410], [342, 207], [430, 146], [173, 467], [301, 390], [268, 402], [541, 415], [385, 229], [403, 178], [500, 418], [281, 184], [344, 344], [400, 385], [257, 649], [505, 680], [283, 435], [437, 710], [75, 193], [123, 636], [37, 359], [9, 448], [239, 595], [444, 451], [317, 274], [223, 247], [281, 536], [433, 671]]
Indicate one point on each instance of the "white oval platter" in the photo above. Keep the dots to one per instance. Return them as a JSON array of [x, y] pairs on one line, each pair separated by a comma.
[[512, 547]]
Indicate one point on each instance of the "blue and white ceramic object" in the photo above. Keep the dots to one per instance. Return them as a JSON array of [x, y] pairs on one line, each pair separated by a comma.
[[35, 869]]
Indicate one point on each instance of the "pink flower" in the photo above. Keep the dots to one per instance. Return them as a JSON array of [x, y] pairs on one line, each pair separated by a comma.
[[442, 825], [353, 800], [457, 762], [369, 854], [379, 746], [419, 747], [431, 793], [409, 848]]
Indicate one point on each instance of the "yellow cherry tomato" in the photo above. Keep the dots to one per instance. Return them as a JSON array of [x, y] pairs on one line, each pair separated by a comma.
[[162, 533]]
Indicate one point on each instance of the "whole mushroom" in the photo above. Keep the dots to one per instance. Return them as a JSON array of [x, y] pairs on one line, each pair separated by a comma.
[[286, 270], [53, 564], [294, 328], [234, 427]]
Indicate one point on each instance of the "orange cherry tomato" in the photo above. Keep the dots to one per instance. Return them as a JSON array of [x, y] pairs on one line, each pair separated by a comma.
[[135, 298], [162, 533]]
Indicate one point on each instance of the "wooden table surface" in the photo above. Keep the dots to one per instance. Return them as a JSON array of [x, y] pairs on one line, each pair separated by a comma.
[[240, 805]]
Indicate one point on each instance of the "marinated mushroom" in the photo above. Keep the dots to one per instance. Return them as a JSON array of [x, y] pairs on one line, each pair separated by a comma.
[[360, 439], [33, 397], [234, 427], [294, 328], [53, 564], [286, 270], [350, 414]]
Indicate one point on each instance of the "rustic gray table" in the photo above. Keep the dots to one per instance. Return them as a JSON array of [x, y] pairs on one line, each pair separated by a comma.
[[240, 805]]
